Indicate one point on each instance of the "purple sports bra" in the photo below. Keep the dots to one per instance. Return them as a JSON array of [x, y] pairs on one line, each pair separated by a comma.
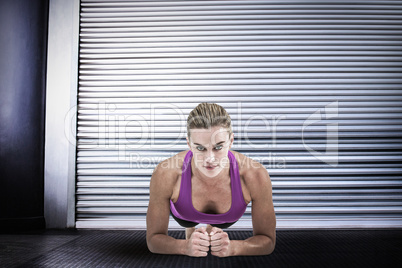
[[183, 208]]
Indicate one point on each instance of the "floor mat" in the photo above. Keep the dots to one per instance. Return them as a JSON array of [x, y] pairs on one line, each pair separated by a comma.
[[323, 248]]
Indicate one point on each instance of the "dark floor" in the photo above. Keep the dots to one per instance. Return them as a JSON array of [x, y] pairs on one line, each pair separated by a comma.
[[324, 248]]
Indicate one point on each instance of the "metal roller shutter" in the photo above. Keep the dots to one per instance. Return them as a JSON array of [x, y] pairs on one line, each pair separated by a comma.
[[313, 88]]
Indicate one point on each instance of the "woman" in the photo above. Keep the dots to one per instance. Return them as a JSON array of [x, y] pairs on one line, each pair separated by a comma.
[[212, 185]]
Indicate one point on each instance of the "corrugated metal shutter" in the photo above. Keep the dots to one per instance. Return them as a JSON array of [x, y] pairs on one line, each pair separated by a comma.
[[313, 88]]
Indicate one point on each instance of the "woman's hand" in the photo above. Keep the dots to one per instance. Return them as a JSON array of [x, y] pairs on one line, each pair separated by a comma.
[[198, 244], [220, 243]]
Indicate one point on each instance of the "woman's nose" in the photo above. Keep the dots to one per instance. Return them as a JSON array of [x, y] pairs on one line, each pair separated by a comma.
[[210, 157]]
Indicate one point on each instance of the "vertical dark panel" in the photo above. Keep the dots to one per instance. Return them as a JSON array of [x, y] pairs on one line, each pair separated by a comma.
[[23, 46]]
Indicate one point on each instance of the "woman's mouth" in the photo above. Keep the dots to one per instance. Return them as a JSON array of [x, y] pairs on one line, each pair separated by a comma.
[[210, 167]]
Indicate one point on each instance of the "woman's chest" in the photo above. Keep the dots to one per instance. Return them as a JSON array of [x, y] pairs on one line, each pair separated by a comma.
[[213, 199]]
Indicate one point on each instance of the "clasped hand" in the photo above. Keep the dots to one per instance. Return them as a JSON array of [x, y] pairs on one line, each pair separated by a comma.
[[200, 241]]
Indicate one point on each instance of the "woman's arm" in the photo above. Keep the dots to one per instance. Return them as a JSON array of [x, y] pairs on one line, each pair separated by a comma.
[[158, 241], [263, 214], [262, 211], [263, 217]]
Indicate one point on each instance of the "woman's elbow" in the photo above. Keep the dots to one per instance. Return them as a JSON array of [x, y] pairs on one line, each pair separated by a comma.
[[270, 246], [270, 249], [150, 245]]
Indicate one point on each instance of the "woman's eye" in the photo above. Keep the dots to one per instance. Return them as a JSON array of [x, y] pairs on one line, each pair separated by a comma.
[[199, 148]]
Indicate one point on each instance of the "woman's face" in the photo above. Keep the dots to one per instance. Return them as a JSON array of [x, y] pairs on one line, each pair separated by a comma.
[[210, 149]]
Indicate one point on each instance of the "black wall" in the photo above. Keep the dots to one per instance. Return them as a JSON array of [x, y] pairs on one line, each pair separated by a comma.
[[23, 46]]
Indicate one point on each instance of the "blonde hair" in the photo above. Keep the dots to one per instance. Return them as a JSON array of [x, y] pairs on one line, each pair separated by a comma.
[[207, 115]]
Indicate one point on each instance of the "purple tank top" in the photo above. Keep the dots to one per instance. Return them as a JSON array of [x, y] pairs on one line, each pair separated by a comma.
[[183, 208]]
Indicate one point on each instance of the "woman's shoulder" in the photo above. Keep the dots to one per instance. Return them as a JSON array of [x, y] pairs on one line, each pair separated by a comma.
[[166, 175], [172, 166], [246, 163], [249, 168]]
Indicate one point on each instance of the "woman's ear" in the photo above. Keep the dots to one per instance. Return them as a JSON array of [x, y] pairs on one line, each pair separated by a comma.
[[188, 143], [231, 138]]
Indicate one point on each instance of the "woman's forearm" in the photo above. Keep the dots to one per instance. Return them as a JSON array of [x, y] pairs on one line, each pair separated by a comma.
[[164, 244], [255, 245]]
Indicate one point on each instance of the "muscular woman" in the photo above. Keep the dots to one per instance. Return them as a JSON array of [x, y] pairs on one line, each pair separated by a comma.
[[212, 185]]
